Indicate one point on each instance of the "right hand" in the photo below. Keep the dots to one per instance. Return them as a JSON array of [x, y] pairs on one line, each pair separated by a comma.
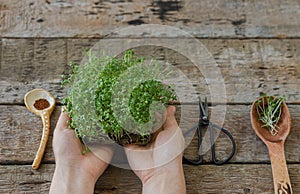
[[160, 162]]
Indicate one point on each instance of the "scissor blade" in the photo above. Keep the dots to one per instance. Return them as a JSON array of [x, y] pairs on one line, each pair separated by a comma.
[[206, 107], [202, 109]]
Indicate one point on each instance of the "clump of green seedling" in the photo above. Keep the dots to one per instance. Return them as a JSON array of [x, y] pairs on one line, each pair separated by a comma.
[[269, 110], [91, 100]]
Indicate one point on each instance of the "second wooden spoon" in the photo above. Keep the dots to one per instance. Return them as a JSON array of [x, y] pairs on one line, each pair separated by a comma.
[[275, 144]]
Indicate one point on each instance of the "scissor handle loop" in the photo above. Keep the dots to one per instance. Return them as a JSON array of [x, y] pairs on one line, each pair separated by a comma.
[[213, 151]]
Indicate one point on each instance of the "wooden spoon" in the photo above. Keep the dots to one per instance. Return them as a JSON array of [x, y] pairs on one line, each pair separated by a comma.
[[30, 99], [275, 144]]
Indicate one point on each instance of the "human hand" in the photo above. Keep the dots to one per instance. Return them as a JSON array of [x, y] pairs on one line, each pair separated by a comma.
[[75, 172], [159, 164]]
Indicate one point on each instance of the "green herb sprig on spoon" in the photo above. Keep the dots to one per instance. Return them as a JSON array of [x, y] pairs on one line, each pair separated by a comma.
[[269, 110]]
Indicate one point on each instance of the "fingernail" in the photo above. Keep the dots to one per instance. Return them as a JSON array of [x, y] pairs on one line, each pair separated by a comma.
[[63, 109]]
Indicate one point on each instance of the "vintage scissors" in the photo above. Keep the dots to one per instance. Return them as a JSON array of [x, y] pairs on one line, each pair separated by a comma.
[[204, 122]]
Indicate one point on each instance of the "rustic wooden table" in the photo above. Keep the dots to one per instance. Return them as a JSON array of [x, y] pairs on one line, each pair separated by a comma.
[[256, 45]]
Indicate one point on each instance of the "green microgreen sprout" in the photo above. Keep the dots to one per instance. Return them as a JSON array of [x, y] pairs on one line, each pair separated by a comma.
[[269, 110], [91, 100]]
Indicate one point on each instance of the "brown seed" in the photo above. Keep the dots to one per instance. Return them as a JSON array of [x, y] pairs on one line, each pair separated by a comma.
[[41, 104]]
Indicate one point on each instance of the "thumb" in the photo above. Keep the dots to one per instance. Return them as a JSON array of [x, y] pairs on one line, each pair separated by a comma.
[[170, 123], [63, 121]]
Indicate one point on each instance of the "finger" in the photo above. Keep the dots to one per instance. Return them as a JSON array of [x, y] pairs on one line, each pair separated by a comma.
[[63, 121], [171, 129], [170, 142], [170, 123]]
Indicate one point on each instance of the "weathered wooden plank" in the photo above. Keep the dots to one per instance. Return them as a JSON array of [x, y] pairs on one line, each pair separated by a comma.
[[200, 179], [248, 67], [20, 133], [29, 60], [77, 47], [216, 18], [0, 53], [30, 63]]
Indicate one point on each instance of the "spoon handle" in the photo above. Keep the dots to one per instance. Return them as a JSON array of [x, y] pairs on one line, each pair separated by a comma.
[[281, 178], [45, 136]]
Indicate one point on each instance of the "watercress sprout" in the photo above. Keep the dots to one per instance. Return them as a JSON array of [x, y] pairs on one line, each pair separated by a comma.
[[90, 92]]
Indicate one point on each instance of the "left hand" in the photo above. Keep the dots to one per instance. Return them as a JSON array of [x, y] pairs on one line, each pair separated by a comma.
[[70, 162]]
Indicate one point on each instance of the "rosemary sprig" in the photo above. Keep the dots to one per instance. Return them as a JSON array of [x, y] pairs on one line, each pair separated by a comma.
[[269, 109]]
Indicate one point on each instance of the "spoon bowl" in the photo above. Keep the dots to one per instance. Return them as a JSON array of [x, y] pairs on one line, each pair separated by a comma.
[[30, 99], [284, 125], [275, 144], [36, 94]]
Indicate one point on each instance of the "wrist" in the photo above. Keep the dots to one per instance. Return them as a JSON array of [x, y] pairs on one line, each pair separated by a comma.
[[165, 179], [67, 179]]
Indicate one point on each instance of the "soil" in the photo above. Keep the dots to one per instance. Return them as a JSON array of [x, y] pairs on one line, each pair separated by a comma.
[[132, 138]]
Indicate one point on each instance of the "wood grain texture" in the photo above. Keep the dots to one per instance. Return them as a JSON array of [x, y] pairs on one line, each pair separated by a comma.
[[256, 178], [28, 64], [20, 133], [216, 18], [256, 45], [248, 67]]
